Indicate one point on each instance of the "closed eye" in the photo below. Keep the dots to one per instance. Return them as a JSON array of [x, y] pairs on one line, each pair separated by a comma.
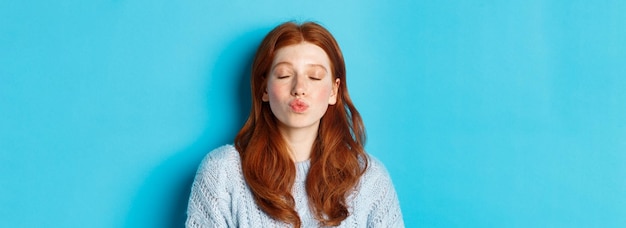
[[283, 77], [315, 79]]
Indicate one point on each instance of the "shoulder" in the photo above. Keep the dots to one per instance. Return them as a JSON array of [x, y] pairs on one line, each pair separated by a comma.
[[220, 167], [375, 169], [375, 182], [221, 157], [215, 188], [376, 200]]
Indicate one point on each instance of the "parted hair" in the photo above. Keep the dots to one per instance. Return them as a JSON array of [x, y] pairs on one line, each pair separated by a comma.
[[338, 159]]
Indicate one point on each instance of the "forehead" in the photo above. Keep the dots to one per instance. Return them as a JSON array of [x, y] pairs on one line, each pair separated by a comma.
[[302, 54]]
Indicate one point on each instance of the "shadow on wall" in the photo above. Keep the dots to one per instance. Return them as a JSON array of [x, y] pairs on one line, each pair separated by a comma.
[[161, 201]]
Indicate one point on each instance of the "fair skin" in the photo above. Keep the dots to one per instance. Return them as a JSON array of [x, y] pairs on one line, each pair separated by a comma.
[[300, 87]]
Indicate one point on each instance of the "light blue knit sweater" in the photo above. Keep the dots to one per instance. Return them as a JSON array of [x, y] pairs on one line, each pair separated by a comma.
[[220, 197]]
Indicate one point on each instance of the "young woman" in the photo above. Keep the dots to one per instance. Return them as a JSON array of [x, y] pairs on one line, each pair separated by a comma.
[[299, 159]]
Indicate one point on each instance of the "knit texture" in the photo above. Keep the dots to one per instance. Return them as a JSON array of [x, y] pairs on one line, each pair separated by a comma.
[[220, 197]]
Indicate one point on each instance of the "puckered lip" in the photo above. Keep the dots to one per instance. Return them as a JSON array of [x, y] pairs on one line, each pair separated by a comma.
[[298, 106]]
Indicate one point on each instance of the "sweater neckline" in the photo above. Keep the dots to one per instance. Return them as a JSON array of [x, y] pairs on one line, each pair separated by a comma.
[[302, 169]]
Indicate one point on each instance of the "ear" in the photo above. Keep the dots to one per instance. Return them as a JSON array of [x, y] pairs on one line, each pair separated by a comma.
[[333, 96], [265, 97]]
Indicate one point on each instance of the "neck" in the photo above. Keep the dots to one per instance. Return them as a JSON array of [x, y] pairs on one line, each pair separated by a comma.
[[300, 141]]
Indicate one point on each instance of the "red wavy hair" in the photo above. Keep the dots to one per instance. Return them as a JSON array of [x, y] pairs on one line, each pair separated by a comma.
[[338, 158]]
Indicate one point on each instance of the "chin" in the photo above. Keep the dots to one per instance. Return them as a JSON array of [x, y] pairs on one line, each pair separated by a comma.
[[298, 124]]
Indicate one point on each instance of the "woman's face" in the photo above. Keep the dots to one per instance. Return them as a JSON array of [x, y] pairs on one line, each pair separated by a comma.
[[300, 86]]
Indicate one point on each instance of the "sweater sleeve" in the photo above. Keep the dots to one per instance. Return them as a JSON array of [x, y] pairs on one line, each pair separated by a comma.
[[209, 200], [385, 211]]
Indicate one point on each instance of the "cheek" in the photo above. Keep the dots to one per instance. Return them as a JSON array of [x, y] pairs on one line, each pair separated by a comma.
[[275, 91], [323, 93]]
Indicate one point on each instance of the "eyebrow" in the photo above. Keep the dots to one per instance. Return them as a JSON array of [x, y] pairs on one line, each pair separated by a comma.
[[287, 63]]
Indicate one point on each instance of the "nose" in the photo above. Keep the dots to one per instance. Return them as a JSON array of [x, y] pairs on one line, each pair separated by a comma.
[[299, 87]]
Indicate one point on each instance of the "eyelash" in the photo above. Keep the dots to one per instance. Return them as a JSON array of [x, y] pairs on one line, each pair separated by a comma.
[[287, 76]]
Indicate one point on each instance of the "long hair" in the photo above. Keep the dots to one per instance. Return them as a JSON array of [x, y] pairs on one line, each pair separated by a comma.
[[338, 158]]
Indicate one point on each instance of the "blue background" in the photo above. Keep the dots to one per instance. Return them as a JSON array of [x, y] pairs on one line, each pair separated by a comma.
[[486, 113]]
